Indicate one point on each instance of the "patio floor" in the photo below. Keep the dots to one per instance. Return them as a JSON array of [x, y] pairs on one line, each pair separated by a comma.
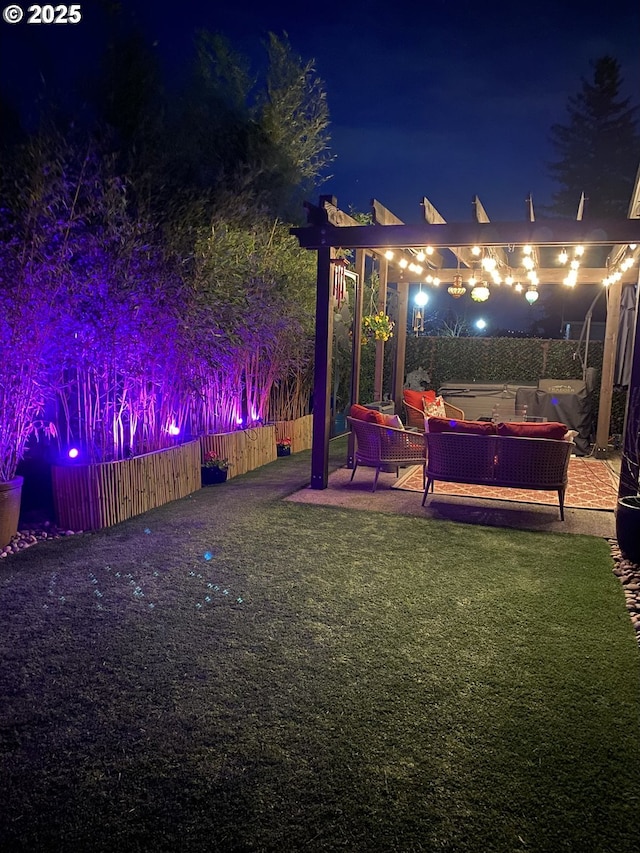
[[492, 513]]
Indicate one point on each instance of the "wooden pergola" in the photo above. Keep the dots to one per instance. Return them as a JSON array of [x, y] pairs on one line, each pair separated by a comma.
[[394, 245]]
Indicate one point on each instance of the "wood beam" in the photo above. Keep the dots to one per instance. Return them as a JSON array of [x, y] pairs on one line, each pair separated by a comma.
[[356, 348], [401, 343], [434, 217], [549, 232], [378, 380], [608, 369], [382, 216], [322, 370], [481, 215]]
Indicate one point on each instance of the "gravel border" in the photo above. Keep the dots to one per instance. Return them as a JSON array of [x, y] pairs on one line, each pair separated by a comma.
[[629, 574]]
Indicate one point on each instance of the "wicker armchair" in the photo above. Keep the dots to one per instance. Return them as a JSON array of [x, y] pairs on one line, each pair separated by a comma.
[[414, 418], [385, 448]]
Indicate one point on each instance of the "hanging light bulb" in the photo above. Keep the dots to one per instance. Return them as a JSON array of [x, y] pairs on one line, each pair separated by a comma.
[[579, 250], [420, 256], [532, 294], [563, 257], [457, 289], [403, 263], [480, 292], [388, 254], [421, 298]]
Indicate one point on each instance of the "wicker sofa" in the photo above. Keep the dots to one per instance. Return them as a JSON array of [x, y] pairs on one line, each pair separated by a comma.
[[498, 460]]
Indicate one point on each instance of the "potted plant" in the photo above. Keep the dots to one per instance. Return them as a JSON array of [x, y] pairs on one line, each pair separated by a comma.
[[283, 447], [214, 468]]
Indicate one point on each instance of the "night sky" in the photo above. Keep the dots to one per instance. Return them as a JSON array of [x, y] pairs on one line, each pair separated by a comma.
[[443, 99]]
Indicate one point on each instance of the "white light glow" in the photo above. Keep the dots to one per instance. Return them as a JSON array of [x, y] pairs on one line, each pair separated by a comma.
[[421, 298]]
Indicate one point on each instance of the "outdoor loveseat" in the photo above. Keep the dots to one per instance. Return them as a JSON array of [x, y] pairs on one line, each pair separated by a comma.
[[506, 460]]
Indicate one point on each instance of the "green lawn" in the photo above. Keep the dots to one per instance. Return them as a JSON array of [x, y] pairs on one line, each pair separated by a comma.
[[233, 672]]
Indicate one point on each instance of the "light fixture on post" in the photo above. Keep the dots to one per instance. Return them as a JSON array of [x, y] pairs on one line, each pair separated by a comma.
[[531, 294], [480, 292]]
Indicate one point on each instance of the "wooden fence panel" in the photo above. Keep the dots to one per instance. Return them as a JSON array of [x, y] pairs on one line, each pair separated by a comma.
[[89, 497], [299, 431], [245, 449]]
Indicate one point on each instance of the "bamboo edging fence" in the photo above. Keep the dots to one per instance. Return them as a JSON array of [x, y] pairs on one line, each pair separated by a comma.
[[244, 449], [90, 497], [299, 431]]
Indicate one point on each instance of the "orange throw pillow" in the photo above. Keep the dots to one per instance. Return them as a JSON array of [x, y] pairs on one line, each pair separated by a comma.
[[532, 430], [417, 399]]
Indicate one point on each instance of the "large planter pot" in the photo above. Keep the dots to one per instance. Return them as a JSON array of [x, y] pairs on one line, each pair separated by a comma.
[[10, 495], [628, 527]]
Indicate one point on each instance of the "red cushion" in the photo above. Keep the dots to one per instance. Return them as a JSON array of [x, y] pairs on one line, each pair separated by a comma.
[[415, 398], [362, 413], [533, 430], [452, 425]]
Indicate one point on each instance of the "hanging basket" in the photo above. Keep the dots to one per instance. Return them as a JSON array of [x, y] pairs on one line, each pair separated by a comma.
[[377, 327]]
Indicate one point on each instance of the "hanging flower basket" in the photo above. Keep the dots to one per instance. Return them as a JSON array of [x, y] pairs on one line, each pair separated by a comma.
[[376, 327]]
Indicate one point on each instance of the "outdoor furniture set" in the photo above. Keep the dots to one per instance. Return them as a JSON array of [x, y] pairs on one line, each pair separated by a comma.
[[507, 455]]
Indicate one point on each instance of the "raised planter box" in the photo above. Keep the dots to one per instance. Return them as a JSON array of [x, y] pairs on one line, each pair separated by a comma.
[[300, 431], [245, 449], [90, 497]]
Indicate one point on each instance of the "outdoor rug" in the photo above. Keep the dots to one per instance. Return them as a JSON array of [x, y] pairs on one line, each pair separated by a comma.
[[592, 485]]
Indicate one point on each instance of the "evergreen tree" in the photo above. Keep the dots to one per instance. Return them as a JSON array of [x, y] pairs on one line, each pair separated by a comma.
[[598, 149]]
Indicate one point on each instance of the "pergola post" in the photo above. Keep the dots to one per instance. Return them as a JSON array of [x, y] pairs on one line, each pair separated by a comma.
[[608, 370], [378, 381], [322, 371], [630, 465], [401, 343], [356, 348]]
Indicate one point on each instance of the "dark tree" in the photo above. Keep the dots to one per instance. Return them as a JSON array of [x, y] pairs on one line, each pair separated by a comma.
[[598, 150]]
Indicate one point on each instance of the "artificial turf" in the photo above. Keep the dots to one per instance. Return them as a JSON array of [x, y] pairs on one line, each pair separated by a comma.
[[232, 672]]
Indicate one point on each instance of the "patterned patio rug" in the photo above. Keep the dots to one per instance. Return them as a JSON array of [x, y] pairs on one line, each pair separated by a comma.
[[592, 485]]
